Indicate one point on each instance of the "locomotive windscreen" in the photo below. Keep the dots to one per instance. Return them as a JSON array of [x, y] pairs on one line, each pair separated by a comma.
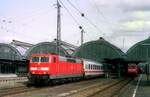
[[35, 59], [44, 59], [40, 59]]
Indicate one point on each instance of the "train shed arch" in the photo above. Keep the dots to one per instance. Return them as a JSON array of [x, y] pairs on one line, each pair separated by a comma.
[[103, 51], [10, 59], [98, 50], [140, 51], [45, 47], [8, 52]]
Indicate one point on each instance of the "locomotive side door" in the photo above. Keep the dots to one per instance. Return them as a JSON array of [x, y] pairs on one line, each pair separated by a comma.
[[53, 69]]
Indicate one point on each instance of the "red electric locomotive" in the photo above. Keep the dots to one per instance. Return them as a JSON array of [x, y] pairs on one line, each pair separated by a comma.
[[133, 70], [48, 67]]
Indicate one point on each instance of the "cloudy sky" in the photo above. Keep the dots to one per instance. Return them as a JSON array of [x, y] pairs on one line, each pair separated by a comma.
[[121, 22]]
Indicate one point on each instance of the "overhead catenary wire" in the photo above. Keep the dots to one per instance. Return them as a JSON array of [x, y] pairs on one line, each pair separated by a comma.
[[80, 27], [99, 13], [69, 13], [94, 25], [74, 7], [105, 19], [83, 15], [98, 10]]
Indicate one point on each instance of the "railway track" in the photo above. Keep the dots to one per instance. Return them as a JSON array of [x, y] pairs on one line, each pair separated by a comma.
[[106, 90], [112, 90], [15, 90], [7, 91], [23, 90], [94, 90]]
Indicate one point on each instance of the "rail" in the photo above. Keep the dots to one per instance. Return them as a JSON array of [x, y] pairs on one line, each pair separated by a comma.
[[97, 90]]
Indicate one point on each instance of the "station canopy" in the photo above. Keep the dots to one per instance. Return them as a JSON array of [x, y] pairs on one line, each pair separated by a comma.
[[99, 50], [45, 47], [8, 52], [140, 51]]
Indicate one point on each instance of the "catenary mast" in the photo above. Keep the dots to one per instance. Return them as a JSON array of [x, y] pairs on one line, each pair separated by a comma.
[[58, 27]]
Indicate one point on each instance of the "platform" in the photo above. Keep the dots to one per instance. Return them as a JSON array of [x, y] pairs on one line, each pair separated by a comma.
[[7, 75], [143, 87]]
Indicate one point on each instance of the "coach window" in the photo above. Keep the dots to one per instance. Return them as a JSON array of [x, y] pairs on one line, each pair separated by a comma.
[[86, 66]]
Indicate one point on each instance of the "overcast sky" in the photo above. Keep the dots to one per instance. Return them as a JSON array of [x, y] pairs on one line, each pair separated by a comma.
[[121, 22]]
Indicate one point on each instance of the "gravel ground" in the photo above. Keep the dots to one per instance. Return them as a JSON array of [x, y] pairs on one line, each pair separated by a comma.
[[12, 82]]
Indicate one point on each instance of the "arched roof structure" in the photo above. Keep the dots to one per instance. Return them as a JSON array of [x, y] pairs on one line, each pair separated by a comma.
[[8, 52], [98, 50], [45, 47], [140, 51]]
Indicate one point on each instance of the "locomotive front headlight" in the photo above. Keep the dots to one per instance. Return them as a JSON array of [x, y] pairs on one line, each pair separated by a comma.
[[45, 68], [44, 72], [33, 68]]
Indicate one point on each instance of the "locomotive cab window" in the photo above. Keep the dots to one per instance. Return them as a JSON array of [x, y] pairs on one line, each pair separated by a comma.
[[35, 59], [44, 59]]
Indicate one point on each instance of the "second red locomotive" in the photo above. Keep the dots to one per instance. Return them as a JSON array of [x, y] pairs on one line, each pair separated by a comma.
[[133, 69]]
